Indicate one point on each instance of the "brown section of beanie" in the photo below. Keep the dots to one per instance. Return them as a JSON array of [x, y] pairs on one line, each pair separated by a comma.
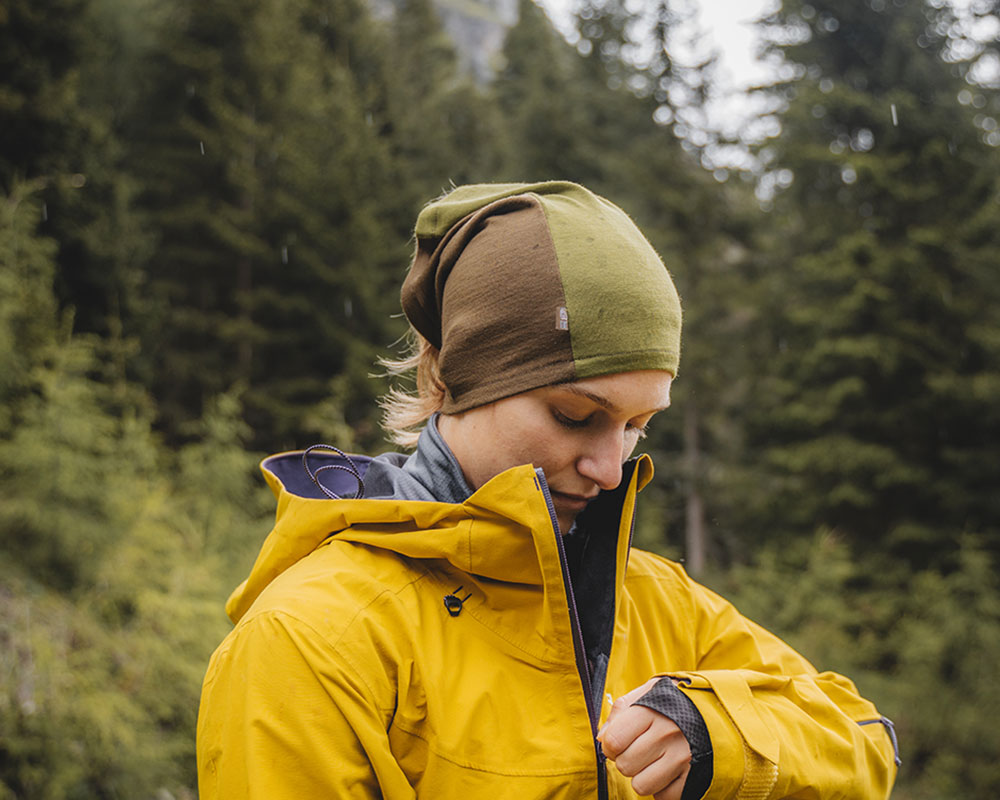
[[492, 288]]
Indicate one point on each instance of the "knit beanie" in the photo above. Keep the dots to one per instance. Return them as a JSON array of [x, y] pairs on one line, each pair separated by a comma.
[[526, 285]]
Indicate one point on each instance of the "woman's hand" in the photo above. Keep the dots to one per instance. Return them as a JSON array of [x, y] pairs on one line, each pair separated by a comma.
[[646, 746]]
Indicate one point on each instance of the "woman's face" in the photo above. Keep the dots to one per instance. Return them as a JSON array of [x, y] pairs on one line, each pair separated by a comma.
[[579, 433]]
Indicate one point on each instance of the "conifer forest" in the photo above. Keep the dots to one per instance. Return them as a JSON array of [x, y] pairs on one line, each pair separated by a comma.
[[206, 212]]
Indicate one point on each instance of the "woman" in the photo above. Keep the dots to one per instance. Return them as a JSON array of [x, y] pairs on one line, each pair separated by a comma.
[[461, 627]]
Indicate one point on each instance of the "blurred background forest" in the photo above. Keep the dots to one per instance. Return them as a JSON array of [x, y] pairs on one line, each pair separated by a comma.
[[205, 215]]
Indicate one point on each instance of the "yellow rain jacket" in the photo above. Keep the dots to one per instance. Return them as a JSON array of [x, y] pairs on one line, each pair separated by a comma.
[[403, 649]]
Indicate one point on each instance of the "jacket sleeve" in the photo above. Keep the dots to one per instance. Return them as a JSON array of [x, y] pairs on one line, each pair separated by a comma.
[[779, 728], [283, 716]]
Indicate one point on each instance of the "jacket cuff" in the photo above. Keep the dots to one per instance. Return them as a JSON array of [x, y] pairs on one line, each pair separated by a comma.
[[665, 698], [744, 762]]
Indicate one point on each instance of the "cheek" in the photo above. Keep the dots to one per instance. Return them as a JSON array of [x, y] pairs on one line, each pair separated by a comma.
[[556, 450]]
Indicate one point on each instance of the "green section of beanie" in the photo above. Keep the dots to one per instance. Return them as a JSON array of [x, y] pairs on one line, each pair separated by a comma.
[[440, 216], [526, 285], [623, 308]]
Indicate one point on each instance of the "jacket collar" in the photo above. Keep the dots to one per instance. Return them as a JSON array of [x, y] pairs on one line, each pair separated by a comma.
[[503, 531]]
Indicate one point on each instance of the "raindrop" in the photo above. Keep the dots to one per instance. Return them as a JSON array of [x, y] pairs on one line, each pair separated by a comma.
[[785, 178], [721, 175], [863, 141], [848, 175], [837, 147], [878, 5], [979, 101], [663, 115], [78, 181], [993, 139], [895, 119], [965, 97], [201, 146], [808, 12], [830, 24], [826, 85], [284, 255], [818, 111]]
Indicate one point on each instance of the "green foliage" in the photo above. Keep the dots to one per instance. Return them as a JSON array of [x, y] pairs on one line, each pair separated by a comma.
[[922, 645], [113, 564], [544, 101], [27, 306], [265, 185], [866, 418], [204, 262], [39, 116]]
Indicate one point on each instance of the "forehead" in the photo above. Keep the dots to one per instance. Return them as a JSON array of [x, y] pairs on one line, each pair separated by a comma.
[[629, 393]]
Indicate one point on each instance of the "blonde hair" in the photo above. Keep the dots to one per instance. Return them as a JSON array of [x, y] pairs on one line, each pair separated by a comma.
[[405, 413]]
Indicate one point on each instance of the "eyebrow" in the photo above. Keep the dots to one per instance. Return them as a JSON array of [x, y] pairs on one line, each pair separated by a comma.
[[600, 400]]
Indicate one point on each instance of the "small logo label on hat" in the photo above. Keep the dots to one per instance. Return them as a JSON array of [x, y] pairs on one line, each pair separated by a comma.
[[562, 319]]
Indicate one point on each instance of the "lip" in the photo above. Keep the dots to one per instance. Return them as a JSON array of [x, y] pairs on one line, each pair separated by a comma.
[[576, 501]]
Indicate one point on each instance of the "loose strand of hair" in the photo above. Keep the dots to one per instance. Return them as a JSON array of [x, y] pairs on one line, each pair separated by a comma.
[[405, 413]]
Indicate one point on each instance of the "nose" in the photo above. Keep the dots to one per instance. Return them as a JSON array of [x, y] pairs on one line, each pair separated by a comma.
[[602, 461]]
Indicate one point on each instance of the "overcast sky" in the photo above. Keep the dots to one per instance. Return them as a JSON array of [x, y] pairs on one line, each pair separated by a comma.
[[726, 25]]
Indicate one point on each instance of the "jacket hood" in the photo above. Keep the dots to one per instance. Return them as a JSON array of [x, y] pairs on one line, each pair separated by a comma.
[[499, 532]]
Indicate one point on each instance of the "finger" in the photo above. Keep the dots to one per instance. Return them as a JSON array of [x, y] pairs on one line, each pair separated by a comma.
[[622, 732], [623, 728], [624, 702], [661, 742], [672, 791]]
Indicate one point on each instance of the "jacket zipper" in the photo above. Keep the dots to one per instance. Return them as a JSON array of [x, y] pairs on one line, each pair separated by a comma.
[[582, 667]]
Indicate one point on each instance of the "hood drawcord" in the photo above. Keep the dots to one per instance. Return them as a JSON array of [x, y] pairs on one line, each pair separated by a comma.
[[454, 603], [350, 468]]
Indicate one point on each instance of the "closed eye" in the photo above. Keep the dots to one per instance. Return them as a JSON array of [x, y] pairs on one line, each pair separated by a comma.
[[569, 422]]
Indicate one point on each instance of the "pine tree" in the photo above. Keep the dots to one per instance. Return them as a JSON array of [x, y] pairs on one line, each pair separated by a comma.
[[265, 179], [40, 121], [62, 98], [543, 101], [113, 565], [873, 418], [441, 128]]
